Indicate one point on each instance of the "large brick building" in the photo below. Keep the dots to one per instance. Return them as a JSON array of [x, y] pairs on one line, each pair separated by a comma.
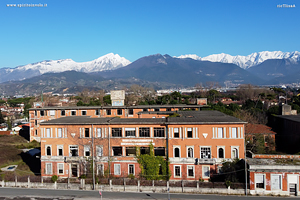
[[196, 142]]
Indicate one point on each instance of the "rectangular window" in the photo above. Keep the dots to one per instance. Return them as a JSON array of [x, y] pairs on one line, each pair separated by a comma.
[[35, 132], [98, 133], [83, 112], [145, 109], [73, 150], [117, 151], [144, 132], [144, 150], [99, 151], [86, 132], [116, 132], [35, 122], [48, 132], [59, 132], [206, 171], [100, 169], [130, 112], [52, 112], [205, 152], [159, 132], [130, 151], [169, 109], [276, 181], [159, 151], [97, 112], [73, 112], [119, 112], [42, 112], [177, 171], [220, 133], [130, 132], [62, 112], [60, 168], [117, 169], [190, 171], [60, 150], [87, 150], [35, 113], [176, 132], [260, 181], [131, 169], [48, 168], [233, 133], [108, 112], [156, 109], [190, 133]]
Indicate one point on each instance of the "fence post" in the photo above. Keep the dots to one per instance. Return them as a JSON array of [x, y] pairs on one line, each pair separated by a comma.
[[110, 185], [42, 180], [16, 181], [138, 187], [3, 182], [28, 179], [168, 186], [124, 183], [153, 188], [182, 186], [197, 185], [68, 184]]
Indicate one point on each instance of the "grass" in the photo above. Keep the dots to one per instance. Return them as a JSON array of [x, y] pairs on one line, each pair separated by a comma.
[[11, 154]]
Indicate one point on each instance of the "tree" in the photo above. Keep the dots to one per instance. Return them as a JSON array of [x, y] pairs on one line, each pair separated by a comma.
[[1, 118]]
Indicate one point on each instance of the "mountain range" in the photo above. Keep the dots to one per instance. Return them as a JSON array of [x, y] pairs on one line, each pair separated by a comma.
[[159, 71]]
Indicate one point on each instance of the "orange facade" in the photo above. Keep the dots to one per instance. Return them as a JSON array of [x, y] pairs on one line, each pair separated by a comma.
[[196, 143]]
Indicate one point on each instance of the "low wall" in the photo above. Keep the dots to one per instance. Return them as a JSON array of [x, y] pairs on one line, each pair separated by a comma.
[[123, 188]]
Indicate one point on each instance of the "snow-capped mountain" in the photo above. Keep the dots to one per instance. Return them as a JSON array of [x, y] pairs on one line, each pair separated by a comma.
[[107, 62], [251, 60]]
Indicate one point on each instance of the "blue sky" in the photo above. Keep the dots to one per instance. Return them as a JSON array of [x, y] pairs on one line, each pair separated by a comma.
[[85, 30]]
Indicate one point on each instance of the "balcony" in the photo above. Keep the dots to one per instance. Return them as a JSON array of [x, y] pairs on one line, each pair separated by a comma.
[[75, 159], [209, 161]]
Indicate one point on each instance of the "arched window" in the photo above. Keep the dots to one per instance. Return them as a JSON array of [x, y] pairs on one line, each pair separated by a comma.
[[48, 151], [221, 153], [176, 152], [235, 153], [190, 152]]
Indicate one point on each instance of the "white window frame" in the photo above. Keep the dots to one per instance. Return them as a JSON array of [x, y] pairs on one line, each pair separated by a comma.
[[130, 129], [85, 113], [187, 151], [129, 169], [87, 148], [98, 132], [48, 134], [280, 179], [238, 153], [51, 171], [60, 147], [61, 133], [236, 132], [174, 147], [255, 180], [97, 152], [63, 169], [119, 172], [176, 132], [187, 171], [210, 152], [51, 112], [220, 132], [102, 172], [179, 171], [187, 135], [46, 146], [73, 111], [221, 147], [203, 172]]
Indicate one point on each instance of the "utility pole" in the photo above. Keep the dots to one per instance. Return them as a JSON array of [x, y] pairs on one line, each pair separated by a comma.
[[93, 160]]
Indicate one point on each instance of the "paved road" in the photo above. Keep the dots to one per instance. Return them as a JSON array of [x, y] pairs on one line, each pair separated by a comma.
[[43, 194]]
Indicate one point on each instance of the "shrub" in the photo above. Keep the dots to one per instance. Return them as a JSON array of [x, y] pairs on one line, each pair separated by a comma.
[[54, 178]]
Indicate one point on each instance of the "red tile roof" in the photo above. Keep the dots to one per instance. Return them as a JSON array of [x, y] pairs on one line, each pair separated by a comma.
[[258, 128]]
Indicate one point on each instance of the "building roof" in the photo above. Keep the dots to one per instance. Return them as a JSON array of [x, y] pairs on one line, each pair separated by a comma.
[[273, 165], [258, 129], [184, 117], [295, 118], [116, 107]]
